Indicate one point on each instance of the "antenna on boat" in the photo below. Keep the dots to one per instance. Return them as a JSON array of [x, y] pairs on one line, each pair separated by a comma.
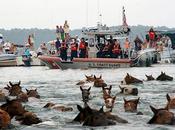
[[125, 27], [99, 14], [87, 13]]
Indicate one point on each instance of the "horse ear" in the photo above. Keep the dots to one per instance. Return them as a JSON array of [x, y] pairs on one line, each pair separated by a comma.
[[127, 74], [153, 109], [89, 89], [110, 87], [81, 88], [100, 76], [95, 77], [137, 101], [10, 83], [146, 75], [101, 109], [86, 76], [19, 83], [124, 100], [114, 97], [27, 90], [161, 72], [168, 97], [79, 108]]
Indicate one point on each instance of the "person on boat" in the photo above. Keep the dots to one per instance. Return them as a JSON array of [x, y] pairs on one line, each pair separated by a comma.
[[27, 53], [58, 32], [31, 41], [138, 42], [74, 48], [62, 33], [42, 49], [58, 45], [52, 49], [7, 47], [66, 29], [116, 49], [127, 48], [152, 37], [63, 50], [105, 51], [82, 48]]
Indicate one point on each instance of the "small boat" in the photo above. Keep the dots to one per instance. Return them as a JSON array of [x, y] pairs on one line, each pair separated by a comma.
[[7, 60]]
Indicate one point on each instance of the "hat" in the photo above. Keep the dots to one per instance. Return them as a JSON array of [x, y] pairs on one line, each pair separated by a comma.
[[27, 44]]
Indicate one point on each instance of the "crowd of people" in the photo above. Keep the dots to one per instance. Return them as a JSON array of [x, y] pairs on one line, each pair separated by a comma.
[[68, 48]]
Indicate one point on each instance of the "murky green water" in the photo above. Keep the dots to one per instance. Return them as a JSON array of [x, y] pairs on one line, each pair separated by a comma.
[[59, 87]]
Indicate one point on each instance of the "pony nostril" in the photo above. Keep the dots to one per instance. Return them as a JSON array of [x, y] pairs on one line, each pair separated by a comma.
[[135, 91]]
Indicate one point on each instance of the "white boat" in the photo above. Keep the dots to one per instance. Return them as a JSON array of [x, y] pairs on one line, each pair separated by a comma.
[[8, 60]]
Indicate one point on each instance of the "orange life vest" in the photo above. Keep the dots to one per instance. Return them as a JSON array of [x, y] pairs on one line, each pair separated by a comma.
[[127, 45], [73, 47], [82, 45]]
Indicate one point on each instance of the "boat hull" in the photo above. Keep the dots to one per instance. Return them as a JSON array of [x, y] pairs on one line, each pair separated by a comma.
[[85, 63], [8, 63]]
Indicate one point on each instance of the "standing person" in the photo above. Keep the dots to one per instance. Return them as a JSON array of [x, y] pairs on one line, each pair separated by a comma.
[[66, 29], [82, 48], [63, 50], [116, 49], [58, 33], [127, 47], [31, 41], [57, 45], [152, 37], [74, 47], [138, 43], [62, 33], [27, 53]]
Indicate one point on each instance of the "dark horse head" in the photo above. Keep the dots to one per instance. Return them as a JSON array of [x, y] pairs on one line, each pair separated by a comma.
[[149, 77], [131, 105], [33, 93], [162, 116], [92, 117], [131, 80], [171, 102], [164, 77], [106, 91], [99, 82], [14, 89], [85, 94]]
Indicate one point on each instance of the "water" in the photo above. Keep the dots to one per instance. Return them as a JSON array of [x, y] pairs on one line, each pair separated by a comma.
[[58, 86]]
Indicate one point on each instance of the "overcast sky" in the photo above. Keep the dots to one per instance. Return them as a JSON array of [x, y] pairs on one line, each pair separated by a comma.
[[81, 13]]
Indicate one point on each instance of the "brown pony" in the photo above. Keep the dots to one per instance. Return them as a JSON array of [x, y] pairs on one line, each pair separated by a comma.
[[109, 102], [99, 82], [162, 116], [130, 80], [14, 89], [164, 77], [149, 77], [33, 93], [85, 94], [88, 79], [131, 105], [58, 108], [28, 118], [171, 102], [106, 91], [13, 107], [5, 119], [126, 90]]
